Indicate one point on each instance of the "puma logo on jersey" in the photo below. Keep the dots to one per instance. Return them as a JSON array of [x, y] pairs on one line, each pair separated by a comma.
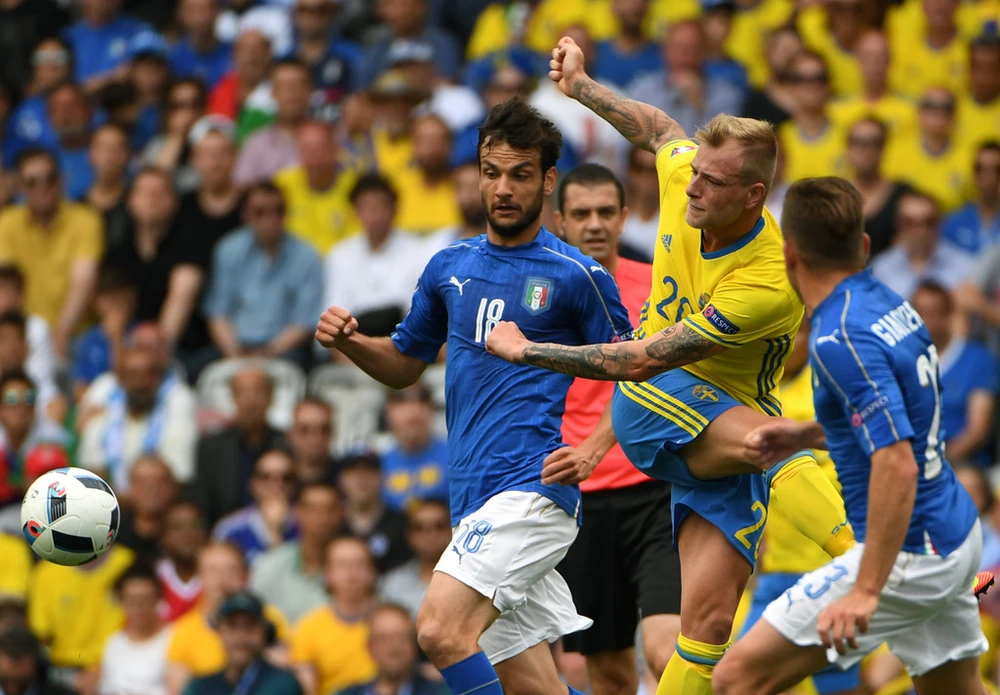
[[454, 281], [832, 338]]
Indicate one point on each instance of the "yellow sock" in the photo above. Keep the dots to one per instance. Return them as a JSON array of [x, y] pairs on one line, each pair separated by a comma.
[[812, 503], [689, 671]]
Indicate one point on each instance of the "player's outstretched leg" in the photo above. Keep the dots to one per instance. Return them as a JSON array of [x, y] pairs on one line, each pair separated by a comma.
[[451, 619], [714, 576], [952, 678], [811, 501]]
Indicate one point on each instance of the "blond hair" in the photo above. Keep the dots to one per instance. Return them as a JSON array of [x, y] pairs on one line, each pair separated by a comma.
[[757, 141]]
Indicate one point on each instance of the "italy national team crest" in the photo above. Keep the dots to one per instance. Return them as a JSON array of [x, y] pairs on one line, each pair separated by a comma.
[[704, 392], [537, 295]]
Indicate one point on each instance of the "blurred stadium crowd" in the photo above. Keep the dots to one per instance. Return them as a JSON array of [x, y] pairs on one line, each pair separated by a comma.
[[187, 184]]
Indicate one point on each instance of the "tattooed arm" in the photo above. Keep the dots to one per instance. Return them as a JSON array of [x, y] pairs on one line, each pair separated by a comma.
[[635, 360], [643, 125]]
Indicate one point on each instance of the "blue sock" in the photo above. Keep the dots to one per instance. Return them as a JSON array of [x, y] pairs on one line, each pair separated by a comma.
[[472, 675]]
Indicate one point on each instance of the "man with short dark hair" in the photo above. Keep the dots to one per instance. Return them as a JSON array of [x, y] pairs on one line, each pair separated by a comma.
[[375, 271], [415, 468], [69, 113], [979, 110], [878, 408], [265, 284], [366, 515], [245, 633], [22, 665], [310, 439], [428, 533], [56, 244], [495, 600], [198, 53], [975, 227]]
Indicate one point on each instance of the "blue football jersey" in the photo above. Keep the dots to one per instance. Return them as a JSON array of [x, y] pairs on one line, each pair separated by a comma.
[[876, 382], [504, 419]]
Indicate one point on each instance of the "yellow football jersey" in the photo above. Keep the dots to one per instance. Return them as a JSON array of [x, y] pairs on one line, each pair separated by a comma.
[[738, 296], [908, 161], [917, 66], [977, 123], [845, 74], [898, 114], [336, 649], [822, 155], [784, 549]]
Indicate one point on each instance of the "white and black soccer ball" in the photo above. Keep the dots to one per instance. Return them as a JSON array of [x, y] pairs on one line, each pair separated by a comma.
[[70, 516]]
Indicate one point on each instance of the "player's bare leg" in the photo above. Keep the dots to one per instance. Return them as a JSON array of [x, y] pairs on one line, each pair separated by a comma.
[[614, 673], [764, 662], [714, 576], [532, 672], [952, 678], [811, 501]]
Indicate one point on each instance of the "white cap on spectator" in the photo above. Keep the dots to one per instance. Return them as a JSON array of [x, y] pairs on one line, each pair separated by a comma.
[[213, 123], [272, 22]]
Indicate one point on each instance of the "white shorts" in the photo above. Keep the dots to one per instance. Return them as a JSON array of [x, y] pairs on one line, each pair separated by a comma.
[[927, 613], [507, 550]]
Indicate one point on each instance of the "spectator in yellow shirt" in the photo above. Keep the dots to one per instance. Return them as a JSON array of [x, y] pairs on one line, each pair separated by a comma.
[[813, 144], [330, 645], [875, 100], [57, 245], [195, 647], [979, 111], [934, 56], [932, 159], [393, 98], [317, 192], [832, 29], [73, 611], [15, 569], [426, 191]]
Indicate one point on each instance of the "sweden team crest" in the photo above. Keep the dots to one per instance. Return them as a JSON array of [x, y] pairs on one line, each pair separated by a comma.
[[703, 392], [537, 295]]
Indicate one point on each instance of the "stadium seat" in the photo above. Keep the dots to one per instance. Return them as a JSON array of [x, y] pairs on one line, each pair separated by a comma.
[[357, 401], [289, 388]]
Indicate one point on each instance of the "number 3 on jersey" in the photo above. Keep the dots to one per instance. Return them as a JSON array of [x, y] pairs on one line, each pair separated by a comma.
[[489, 315]]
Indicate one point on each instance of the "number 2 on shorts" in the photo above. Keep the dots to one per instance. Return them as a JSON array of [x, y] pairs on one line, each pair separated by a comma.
[[743, 535]]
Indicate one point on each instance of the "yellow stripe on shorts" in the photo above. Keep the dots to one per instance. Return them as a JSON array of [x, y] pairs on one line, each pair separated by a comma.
[[643, 399], [693, 416]]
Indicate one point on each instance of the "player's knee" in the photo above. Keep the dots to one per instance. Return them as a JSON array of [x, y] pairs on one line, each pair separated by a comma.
[[442, 643], [730, 678], [712, 625], [657, 655], [613, 676]]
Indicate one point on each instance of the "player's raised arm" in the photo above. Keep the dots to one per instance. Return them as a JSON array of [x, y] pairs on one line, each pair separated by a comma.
[[643, 125], [379, 358], [634, 360]]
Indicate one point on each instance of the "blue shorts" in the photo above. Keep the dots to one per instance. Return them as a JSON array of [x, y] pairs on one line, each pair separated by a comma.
[[654, 419], [770, 587]]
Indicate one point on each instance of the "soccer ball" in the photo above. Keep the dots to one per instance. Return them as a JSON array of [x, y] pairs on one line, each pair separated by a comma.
[[69, 516]]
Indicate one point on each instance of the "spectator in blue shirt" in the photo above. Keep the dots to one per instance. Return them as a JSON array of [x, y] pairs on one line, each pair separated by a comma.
[[968, 378], [268, 522], [415, 468], [266, 286], [28, 126], [100, 41], [149, 74], [335, 62], [115, 302], [69, 115], [630, 54], [392, 643], [975, 227], [407, 19], [198, 53], [718, 22]]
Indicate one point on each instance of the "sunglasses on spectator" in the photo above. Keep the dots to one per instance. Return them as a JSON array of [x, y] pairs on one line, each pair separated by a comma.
[[807, 77], [267, 211], [420, 528], [927, 221], [932, 105], [862, 141], [14, 397], [47, 180], [307, 428], [50, 58], [275, 476], [176, 104]]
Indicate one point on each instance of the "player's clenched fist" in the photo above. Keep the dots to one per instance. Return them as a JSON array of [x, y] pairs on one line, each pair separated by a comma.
[[566, 66], [335, 326], [507, 341]]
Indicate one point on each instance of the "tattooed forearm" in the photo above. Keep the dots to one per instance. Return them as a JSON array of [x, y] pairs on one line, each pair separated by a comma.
[[677, 346], [631, 361], [643, 125]]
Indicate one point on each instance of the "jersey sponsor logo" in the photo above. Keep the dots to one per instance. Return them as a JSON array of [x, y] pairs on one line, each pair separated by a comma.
[[860, 416], [719, 321], [460, 285], [624, 337], [681, 149], [665, 239], [897, 324], [704, 392], [537, 295]]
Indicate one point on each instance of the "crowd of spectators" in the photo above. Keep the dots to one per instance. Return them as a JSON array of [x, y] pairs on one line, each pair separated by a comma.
[[186, 184]]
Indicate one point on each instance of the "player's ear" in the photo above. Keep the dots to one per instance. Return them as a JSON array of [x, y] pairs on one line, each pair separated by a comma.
[[756, 195], [557, 216], [625, 212], [549, 181]]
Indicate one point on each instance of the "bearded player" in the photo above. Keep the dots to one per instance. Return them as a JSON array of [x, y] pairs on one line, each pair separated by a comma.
[[714, 337]]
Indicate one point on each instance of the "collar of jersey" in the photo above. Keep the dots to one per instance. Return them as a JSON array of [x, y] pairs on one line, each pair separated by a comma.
[[844, 285], [735, 246], [490, 247]]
